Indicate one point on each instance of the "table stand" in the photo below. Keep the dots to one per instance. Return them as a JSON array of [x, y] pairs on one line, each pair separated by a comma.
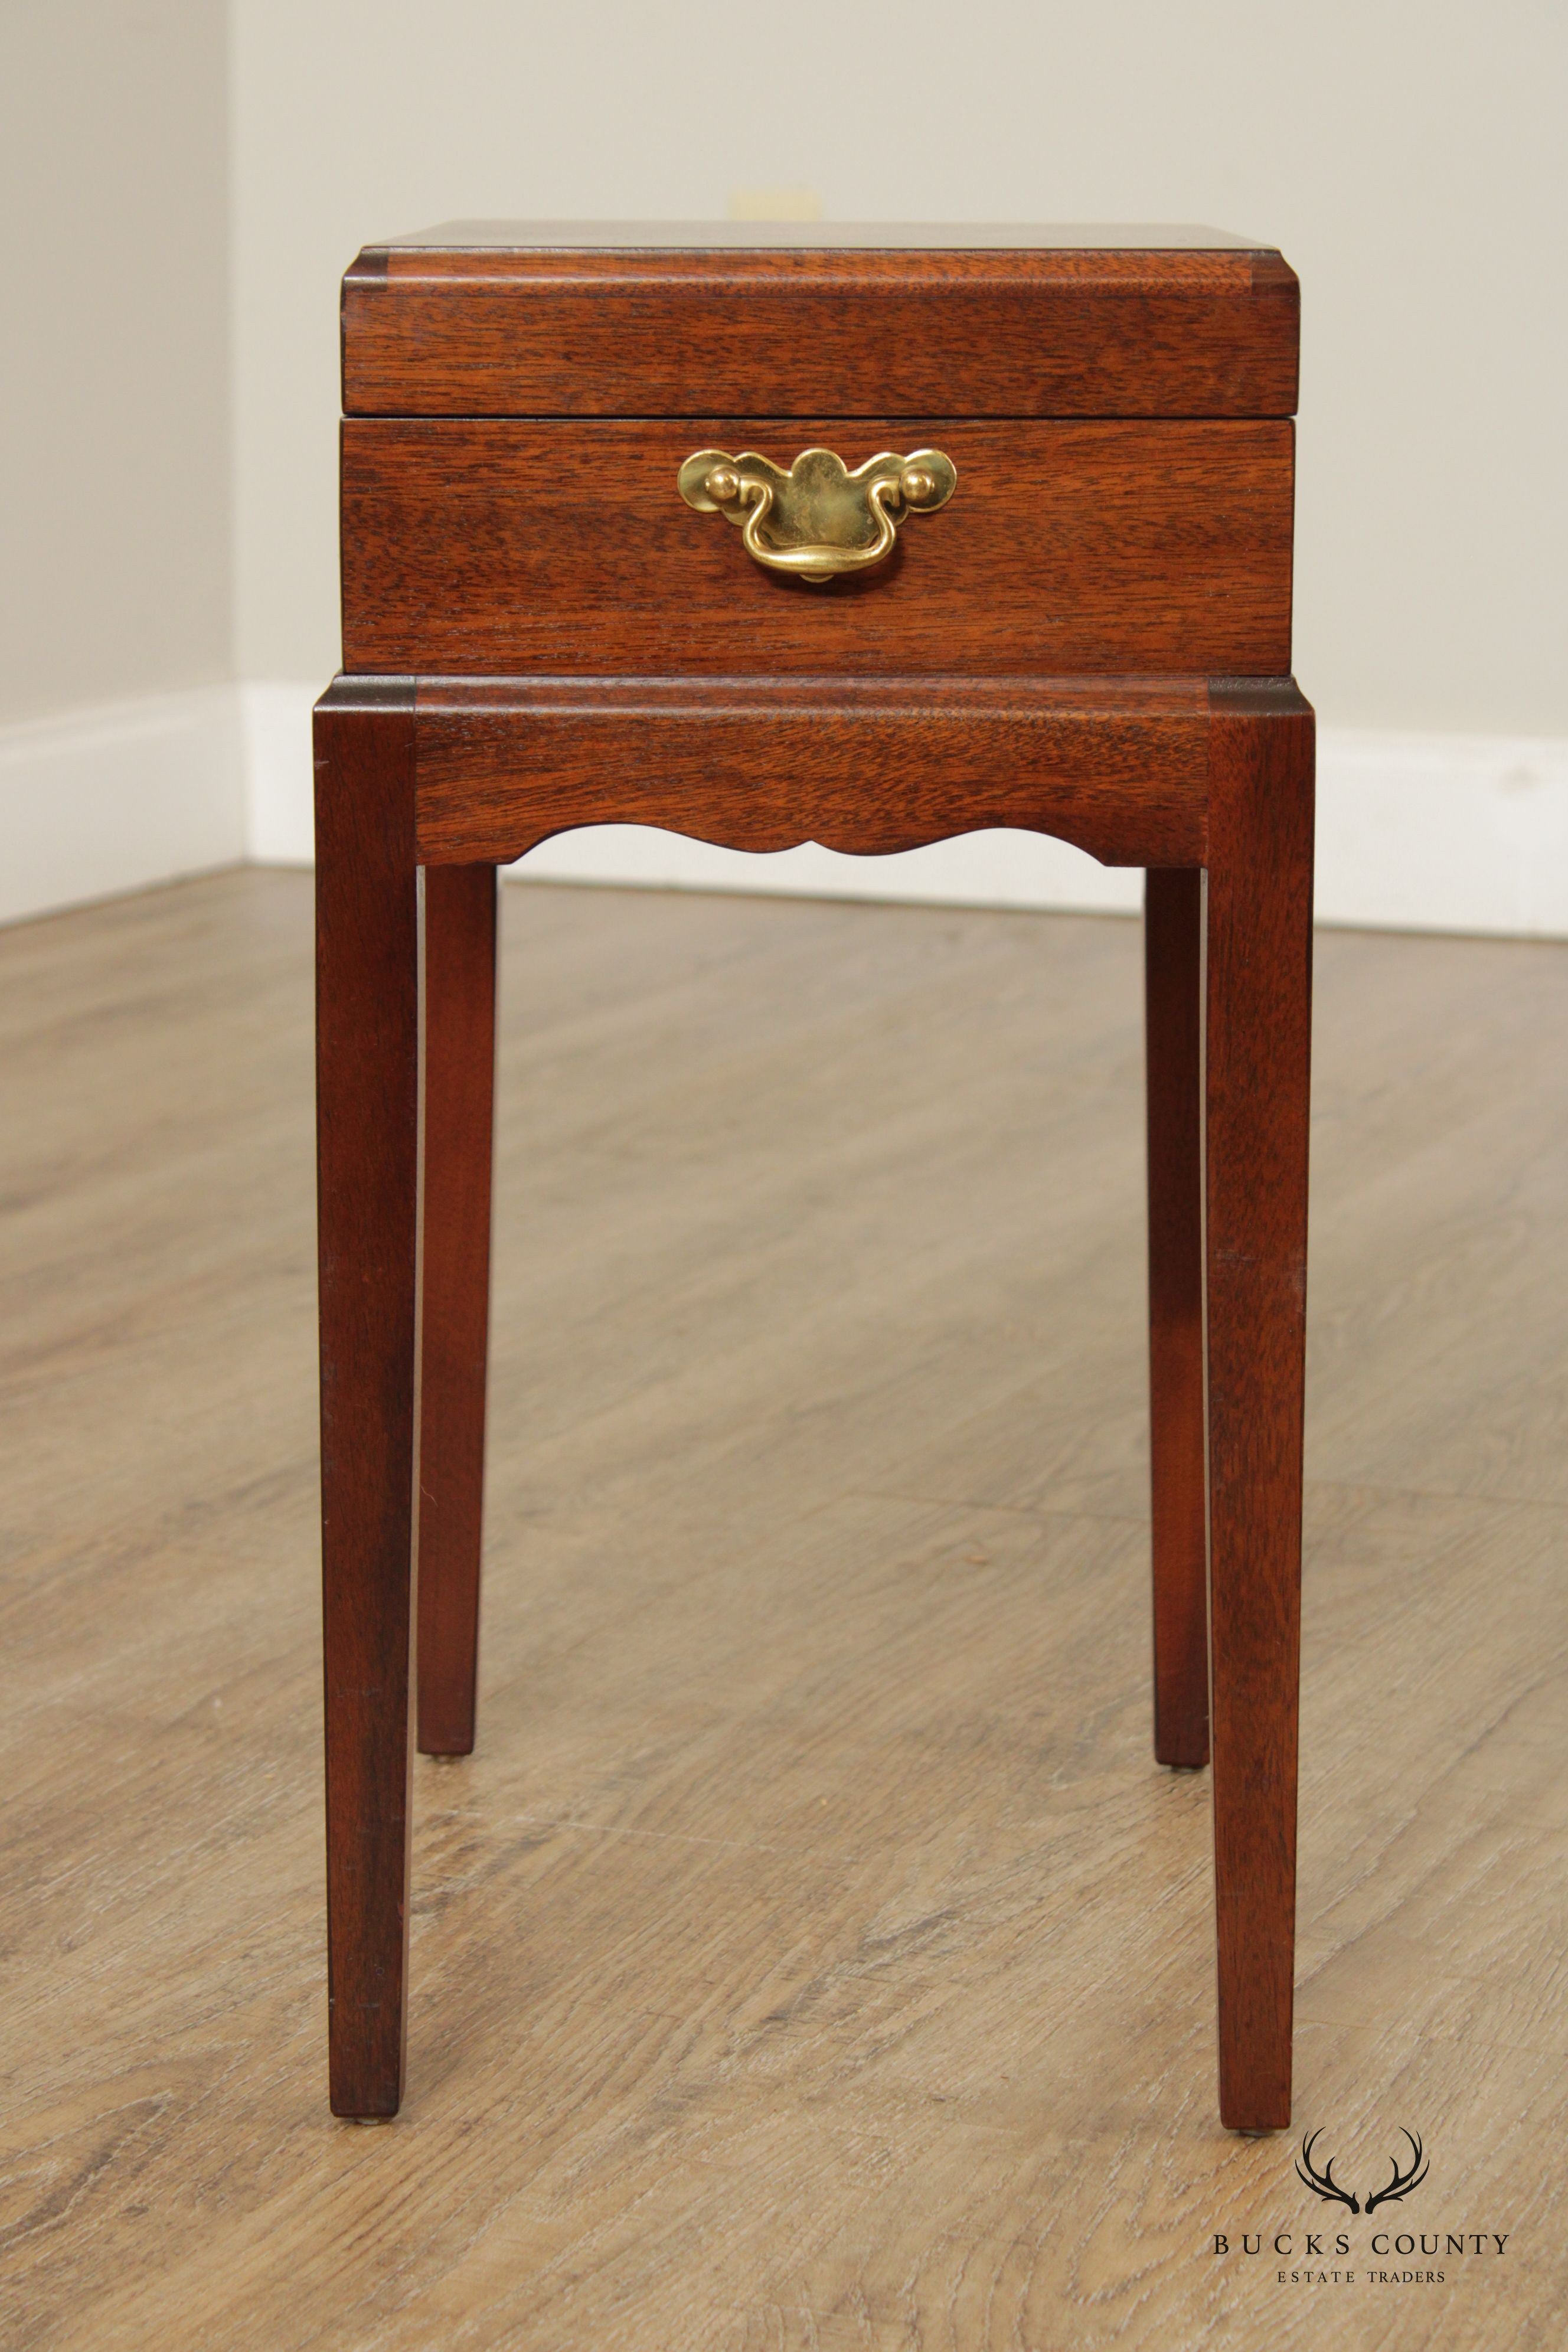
[[428, 779]]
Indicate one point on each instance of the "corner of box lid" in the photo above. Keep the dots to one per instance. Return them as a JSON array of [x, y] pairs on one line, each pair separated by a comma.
[[368, 267]]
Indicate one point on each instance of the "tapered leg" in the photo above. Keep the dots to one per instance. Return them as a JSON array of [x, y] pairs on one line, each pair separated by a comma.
[[459, 1086], [1173, 942], [367, 1032], [1259, 1030]]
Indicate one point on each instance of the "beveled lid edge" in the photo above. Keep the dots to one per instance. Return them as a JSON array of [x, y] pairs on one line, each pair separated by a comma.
[[815, 236]]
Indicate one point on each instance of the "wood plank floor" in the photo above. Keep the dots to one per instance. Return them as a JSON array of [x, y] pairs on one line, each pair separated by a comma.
[[812, 1955]]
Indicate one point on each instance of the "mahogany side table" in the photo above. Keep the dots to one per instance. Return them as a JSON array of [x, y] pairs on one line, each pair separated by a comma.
[[866, 537]]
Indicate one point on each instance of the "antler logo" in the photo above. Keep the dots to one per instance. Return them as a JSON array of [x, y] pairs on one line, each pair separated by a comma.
[[1324, 2184], [1402, 2182]]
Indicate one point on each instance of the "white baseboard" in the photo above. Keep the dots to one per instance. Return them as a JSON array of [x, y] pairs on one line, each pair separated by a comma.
[[1443, 832], [117, 797], [279, 780], [1447, 832]]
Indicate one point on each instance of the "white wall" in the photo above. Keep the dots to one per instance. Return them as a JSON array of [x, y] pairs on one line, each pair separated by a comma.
[[119, 742], [114, 280], [1409, 160]]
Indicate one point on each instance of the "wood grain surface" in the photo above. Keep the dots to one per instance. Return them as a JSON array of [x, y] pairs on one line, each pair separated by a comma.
[[459, 1006], [1178, 1440], [1257, 1025], [812, 1955], [367, 1085], [1034, 331], [1117, 767], [501, 546], [1258, 775]]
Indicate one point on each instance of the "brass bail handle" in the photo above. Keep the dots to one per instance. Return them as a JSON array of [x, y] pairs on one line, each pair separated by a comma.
[[817, 519]]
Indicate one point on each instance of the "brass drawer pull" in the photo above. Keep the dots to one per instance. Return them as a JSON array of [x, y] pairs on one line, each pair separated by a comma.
[[818, 518]]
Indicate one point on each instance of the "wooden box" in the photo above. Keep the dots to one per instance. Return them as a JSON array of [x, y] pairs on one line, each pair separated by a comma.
[[518, 402]]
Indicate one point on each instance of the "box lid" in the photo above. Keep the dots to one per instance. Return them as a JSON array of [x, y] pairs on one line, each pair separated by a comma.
[[583, 318]]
